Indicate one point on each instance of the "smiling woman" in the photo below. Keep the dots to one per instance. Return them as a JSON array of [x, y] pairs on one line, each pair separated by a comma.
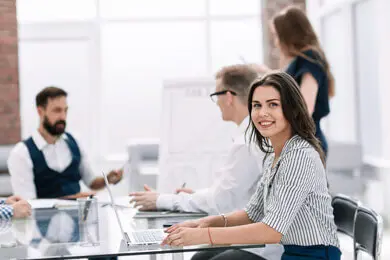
[[267, 114], [278, 111], [291, 205]]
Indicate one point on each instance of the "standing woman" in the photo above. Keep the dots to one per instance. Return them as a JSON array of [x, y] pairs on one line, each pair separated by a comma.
[[302, 57], [291, 205]]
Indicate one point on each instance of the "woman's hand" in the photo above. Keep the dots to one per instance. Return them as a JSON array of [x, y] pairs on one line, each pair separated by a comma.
[[200, 223], [187, 224], [185, 236]]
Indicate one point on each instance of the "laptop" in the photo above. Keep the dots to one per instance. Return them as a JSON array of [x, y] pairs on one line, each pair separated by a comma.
[[137, 237]]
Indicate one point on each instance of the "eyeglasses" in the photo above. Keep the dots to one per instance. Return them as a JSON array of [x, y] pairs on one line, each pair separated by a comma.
[[214, 96]]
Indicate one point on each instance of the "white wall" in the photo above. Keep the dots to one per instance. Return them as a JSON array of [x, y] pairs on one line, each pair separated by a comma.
[[366, 36], [357, 46], [350, 33], [113, 55], [60, 55]]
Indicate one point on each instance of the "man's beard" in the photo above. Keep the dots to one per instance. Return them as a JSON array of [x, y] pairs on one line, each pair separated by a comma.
[[56, 128]]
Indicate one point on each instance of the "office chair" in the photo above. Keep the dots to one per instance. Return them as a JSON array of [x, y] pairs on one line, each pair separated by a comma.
[[344, 211], [368, 232], [5, 178], [143, 163]]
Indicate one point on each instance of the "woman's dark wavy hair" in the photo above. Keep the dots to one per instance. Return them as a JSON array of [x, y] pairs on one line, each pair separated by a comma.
[[294, 110], [296, 34]]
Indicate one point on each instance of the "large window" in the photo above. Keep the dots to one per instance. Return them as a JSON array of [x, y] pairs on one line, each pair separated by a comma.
[[120, 60], [136, 58], [55, 10]]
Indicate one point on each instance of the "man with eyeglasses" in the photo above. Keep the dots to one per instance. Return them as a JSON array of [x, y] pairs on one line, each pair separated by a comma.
[[241, 171]]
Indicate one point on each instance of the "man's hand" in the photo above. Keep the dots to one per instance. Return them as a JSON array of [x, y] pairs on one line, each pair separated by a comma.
[[185, 190], [147, 188], [147, 199], [13, 199], [115, 176], [22, 209], [79, 195]]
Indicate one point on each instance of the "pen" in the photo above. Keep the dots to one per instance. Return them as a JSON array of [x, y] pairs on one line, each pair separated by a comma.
[[87, 206], [182, 187]]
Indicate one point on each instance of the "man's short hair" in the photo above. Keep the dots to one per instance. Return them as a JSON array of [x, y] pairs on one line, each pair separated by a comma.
[[49, 92], [237, 78]]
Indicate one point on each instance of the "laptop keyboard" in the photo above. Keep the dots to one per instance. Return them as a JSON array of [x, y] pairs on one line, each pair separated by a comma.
[[149, 236]]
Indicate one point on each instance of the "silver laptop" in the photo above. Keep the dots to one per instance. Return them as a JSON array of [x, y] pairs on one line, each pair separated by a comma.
[[137, 237]]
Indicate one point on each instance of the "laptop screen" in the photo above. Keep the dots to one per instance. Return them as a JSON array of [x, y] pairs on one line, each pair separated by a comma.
[[125, 237]]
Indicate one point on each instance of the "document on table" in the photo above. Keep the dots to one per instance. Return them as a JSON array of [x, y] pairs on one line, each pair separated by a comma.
[[42, 203], [51, 203], [120, 201]]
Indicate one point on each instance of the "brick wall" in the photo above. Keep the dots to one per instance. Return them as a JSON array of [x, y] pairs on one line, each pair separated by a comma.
[[9, 81], [269, 9]]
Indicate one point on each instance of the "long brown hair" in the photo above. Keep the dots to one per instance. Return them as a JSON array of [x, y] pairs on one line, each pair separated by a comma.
[[294, 110], [296, 34]]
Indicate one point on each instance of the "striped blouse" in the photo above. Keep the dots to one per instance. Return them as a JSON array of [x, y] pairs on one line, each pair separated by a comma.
[[293, 198]]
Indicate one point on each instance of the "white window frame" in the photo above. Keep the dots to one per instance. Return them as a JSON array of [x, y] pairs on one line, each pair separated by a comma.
[[91, 30]]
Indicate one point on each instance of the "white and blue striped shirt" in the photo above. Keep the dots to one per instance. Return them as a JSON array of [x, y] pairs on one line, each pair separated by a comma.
[[292, 197], [6, 211]]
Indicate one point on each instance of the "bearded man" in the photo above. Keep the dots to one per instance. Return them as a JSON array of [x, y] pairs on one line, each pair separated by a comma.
[[50, 163]]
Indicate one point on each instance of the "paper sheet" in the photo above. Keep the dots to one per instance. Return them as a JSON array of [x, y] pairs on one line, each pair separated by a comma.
[[51, 203], [42, 203]]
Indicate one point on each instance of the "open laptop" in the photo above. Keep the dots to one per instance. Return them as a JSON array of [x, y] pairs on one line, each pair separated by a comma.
[[137, 237]]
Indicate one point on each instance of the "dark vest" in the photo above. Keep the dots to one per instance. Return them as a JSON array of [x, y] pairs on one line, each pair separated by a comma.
[[50, 183]]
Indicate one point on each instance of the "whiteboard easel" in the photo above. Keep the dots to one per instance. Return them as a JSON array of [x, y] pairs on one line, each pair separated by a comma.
[[194, 138]]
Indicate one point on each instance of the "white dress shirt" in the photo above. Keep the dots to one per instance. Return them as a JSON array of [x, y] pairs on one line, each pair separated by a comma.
[[58, 156], [232, 187]]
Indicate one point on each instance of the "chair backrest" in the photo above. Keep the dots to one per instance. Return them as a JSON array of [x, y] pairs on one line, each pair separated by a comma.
[[146, 151], [344, 211], [5, 178], [368, 232], [4, 153], [143, 163]]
